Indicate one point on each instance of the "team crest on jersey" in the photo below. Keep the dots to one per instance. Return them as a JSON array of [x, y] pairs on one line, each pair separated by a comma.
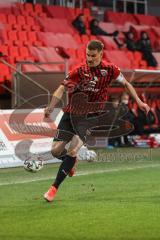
[[95, 78], [103, 72]]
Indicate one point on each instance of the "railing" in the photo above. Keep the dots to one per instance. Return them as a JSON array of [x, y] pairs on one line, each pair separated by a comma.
[[18, 73]]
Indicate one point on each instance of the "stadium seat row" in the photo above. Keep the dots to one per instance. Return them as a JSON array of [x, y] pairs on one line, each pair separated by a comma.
[[25, 9], [19, 22], [122, 18], [19, 38]]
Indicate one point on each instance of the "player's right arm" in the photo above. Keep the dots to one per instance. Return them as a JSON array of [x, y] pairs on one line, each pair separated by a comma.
[[57, 96], [69, 84]]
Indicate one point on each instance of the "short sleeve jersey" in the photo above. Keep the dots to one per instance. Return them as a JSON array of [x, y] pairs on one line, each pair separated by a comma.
[[93, 82]]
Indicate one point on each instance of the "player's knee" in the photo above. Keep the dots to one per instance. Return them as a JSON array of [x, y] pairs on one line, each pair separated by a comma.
[[72, 152], [55, 152]]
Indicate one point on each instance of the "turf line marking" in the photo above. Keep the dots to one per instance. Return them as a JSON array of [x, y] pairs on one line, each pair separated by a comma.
[[83, 174]]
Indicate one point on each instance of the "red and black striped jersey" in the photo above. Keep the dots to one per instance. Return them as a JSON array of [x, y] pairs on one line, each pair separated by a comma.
[[91, 83]]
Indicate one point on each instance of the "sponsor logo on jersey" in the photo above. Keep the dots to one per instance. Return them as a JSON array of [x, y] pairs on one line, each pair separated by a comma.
[[86, 74], [103, 72]]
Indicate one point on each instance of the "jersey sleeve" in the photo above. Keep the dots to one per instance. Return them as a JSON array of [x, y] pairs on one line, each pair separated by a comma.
[[70, 82], [117, 75]]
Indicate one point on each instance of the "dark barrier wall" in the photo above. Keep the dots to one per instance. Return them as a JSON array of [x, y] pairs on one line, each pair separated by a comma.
[[27, 94]]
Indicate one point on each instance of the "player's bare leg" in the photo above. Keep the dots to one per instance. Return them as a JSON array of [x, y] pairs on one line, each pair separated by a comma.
[[66, 166], [58, 149]]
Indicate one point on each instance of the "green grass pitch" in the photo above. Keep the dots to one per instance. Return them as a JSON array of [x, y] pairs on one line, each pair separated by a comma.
[[115, 198]]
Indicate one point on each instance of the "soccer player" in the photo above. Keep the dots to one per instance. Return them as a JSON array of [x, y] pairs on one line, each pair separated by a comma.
[[91, 78]]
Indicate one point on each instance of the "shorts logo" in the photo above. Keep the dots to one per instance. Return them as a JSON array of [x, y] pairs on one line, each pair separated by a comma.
[[103, 72]]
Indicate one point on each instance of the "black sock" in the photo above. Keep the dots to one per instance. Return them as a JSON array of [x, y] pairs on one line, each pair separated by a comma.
[[64, 169]]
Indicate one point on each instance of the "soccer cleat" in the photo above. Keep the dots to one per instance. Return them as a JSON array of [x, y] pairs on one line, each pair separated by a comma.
[[73, 170], [50, 194]]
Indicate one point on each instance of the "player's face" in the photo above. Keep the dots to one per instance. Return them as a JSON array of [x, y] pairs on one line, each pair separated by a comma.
[[93, 57]]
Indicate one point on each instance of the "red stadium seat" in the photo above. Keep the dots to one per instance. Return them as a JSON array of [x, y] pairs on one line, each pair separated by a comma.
[[24, 52], [4, 37], [21, 20], [84, 38], [28, 7], [92, 37], [44, 54], [81, 53], [71, 15], [6, 7], [31, 23], [119, 58], [3, 18], [32, 38], [86, 12], [109, 43], [4, 72], [22, 36], [13, 38], [133, 60], [13, 51], [156, 32], [109, 27], [17, 27], [22, 23], [57, 40], [15, 9], [38, 8], [56, 25], [29, 20], [12, 35], [14, 22], [57, 11], [11, 19], [77, 38], [119, 18], [71, 52], [146, 20], [4, 50]]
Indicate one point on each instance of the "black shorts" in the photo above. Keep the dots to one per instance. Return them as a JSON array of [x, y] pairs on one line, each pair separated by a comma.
[[71, 125], [101, 124], [65, 130]]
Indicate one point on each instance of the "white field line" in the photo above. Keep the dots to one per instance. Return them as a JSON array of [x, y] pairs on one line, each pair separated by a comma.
[[84, 173]]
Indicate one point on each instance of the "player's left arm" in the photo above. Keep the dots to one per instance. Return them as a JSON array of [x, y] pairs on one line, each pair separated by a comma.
[[131, 90]]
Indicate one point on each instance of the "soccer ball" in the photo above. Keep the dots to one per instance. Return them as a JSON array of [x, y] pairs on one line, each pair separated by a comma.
[[33, 165]]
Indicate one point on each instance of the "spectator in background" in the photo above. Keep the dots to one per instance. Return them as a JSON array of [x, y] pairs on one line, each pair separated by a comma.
[[144, 45], [129, 116], [79, 23], [96, 30], [130, 42]]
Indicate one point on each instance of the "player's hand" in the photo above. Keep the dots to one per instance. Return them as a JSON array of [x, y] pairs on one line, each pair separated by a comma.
[[47, 112], [144, 107]]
